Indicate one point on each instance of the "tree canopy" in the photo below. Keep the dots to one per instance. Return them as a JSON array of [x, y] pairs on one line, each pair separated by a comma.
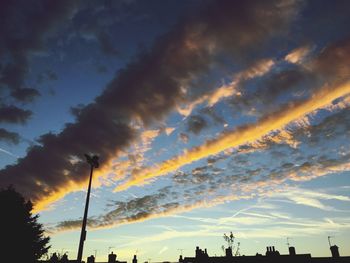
[[22, 237]]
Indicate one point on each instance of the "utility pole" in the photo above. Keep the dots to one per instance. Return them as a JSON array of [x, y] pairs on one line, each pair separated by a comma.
[[93, 161]]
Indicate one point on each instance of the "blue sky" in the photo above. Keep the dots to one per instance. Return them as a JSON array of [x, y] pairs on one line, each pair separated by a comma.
[[208, 117]]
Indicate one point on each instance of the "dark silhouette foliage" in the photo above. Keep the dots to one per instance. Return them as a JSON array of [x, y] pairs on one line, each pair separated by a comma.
[[22, 237]]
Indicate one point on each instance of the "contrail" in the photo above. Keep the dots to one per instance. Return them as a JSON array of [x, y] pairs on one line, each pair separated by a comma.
[[9, 153]]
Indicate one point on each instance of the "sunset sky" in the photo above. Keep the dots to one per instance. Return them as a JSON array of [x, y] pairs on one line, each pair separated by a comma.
[[208, 117]]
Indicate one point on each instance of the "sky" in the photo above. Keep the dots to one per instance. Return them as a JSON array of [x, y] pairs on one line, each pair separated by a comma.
[[207, 116]]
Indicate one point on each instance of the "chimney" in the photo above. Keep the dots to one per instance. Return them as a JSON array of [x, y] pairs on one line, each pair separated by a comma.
[[292, 251], [112, 258], [228, 252], [335, 251], [273, 248], [91, 259], [268, 252], [197, 252]]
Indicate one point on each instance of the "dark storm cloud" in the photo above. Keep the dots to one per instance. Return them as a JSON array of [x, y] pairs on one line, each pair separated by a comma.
[[23, 28], [196, 124], [147, 89], [337, 55], [13, 114], [9, 137], [296, 81], [76, 111], [25, 94]]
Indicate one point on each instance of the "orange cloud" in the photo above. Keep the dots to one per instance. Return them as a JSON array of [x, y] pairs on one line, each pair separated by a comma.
[[260, 68], [242, 135], [297, 56]]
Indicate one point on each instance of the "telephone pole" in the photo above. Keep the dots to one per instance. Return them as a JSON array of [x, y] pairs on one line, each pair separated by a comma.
[[93, 161]]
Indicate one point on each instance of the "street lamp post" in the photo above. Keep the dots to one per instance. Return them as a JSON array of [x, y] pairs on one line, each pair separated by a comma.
[[93, 161]]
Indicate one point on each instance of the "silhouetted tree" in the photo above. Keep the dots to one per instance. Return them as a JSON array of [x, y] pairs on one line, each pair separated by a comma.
[[22, 237]]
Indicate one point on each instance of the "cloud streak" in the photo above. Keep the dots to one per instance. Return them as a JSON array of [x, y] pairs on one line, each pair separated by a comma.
[[335, 86], [207, 186], [244, 134], [146, 90]]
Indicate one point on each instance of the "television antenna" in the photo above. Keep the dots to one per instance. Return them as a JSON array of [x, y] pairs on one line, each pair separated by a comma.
[[329, 240], [237, 250]]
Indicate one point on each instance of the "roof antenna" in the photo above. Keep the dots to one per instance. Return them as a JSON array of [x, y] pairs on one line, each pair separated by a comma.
[[329, 240]]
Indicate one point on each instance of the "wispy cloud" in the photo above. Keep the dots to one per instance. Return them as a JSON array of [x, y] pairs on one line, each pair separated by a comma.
[[298, 55], [242, 135], [310, 198]]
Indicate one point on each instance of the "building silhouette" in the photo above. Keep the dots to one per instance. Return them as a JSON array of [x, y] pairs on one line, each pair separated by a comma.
[[272, 255], [335, 251]]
